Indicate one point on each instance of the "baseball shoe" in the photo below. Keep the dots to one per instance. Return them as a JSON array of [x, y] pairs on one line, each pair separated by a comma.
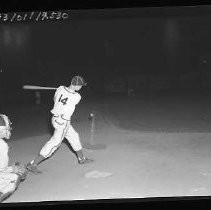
[[85, 160], [33, 169]]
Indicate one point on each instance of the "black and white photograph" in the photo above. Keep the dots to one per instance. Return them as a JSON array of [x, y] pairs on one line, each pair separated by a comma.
[[105, 104]]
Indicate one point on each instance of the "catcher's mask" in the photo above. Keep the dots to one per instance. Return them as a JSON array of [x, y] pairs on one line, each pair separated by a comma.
[[5, 127]]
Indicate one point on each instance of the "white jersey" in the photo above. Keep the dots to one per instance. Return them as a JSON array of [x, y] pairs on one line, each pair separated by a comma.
[[65, 102], [4, 158], [8, 179]]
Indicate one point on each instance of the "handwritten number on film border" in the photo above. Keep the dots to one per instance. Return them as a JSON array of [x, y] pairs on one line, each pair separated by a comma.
[[37, 16]]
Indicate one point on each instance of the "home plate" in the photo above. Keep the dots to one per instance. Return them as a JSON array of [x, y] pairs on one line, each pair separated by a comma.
[[97, 174]]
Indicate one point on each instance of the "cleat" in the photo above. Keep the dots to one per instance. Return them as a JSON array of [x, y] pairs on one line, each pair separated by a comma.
[[33, 169], [85, 160]]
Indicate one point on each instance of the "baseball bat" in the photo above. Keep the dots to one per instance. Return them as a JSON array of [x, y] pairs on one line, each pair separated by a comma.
[[36, 87]]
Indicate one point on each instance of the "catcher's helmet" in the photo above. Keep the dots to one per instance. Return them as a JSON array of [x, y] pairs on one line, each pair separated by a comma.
[[5, 128], [78, 81]]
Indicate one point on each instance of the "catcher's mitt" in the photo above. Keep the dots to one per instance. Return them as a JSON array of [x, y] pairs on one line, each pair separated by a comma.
[[20, 169]]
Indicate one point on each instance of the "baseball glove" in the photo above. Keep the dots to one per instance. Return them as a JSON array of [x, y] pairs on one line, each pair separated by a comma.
[[20, 169]]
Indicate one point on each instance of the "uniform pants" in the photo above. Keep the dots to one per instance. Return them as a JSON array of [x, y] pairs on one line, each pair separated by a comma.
[[62, 129]]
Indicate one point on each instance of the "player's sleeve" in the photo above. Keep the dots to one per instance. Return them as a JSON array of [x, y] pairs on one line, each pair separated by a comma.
[[58, 90], [78, 98]]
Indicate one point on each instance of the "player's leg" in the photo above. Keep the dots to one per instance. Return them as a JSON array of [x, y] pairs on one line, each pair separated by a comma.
[[8, 184], [73, 138], [60, 128], [47, 150]]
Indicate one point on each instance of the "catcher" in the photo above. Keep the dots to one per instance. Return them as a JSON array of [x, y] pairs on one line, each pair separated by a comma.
[[10, 176]]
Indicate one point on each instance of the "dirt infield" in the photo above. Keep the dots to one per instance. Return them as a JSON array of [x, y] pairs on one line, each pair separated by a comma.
[[152, 149]]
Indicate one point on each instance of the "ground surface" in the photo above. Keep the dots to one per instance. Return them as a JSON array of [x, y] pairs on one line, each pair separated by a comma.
[[153, 148]]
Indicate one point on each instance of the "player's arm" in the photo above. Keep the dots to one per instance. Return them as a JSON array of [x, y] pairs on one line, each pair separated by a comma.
[[57, 93]]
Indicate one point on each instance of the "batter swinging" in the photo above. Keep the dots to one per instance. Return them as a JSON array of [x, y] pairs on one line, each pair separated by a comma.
[[65, 100]]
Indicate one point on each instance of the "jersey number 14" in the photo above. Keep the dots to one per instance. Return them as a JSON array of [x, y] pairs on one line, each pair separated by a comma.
[[63, 100]]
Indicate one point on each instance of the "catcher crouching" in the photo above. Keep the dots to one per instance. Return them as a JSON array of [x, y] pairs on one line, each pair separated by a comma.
[[10, 176]]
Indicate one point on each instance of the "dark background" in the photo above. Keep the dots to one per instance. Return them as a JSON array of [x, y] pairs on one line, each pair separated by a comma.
[[160, 50]]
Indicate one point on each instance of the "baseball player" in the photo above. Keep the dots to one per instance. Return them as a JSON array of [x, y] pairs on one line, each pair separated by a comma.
[[10, 176], [65, 100]]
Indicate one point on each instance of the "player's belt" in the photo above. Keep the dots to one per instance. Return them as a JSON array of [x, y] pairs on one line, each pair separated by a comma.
[[61, 117], [64, 118]]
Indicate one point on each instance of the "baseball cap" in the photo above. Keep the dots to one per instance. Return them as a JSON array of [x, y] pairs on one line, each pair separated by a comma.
[[78, 81]]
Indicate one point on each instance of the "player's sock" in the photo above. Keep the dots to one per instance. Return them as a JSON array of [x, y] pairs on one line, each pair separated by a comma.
[[37, 160], [79, 154], [81, 158]]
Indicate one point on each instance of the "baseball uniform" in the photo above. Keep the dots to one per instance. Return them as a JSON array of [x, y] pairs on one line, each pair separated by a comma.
[[64, 106]]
